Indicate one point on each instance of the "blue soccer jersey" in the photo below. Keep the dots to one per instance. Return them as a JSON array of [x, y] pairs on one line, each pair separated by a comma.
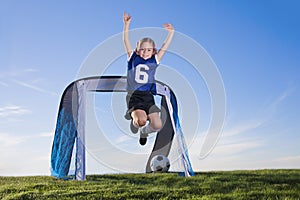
[[141, 73]]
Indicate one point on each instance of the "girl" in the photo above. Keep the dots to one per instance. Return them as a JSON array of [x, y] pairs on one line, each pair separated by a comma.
[[142, 64]]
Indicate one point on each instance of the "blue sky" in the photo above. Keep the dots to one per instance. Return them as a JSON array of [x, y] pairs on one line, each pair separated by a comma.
[[254, 44]]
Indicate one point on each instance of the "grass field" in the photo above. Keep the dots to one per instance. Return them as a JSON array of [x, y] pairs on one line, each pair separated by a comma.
[[253, 184]]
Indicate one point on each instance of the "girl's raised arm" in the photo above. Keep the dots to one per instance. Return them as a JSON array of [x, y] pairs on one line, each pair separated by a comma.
[[127, 45], [167, 42]]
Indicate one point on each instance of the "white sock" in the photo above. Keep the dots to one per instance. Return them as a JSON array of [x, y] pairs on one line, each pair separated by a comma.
[[135, 125], [148, 129]]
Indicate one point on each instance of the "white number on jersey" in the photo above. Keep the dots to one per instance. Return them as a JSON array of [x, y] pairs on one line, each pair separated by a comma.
[[141, 75]]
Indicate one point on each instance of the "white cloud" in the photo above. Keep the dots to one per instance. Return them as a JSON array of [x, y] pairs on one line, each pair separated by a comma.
[[281, 98], [229, 153], [12, 111], [240, 147], [45, 134], [237, 147], [242, 128], [30, 70], [23, 149], [231, 139], [33, 87], [16, 72], [289, 159], [3, 84], [227, 146], [13, 76], [8, 140]]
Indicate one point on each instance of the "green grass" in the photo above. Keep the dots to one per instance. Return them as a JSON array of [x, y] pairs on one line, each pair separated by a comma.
[[253, 184]]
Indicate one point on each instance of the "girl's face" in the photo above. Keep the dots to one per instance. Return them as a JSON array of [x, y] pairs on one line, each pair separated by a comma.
[[146, 50]]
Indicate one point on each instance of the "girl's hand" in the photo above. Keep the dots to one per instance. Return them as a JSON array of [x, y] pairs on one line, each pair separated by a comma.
[[126, 18], [168, 27]]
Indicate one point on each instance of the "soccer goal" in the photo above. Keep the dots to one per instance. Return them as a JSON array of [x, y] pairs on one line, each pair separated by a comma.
[[69, 145]]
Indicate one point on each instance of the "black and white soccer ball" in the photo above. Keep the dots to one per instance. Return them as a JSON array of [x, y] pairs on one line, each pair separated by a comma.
[[160, 163]]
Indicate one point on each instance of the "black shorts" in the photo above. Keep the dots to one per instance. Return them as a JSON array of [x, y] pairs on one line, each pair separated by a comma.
[[140, 100]]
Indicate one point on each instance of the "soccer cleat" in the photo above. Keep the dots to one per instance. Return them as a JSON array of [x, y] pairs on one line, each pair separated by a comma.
[[143, 139], [133, 128]]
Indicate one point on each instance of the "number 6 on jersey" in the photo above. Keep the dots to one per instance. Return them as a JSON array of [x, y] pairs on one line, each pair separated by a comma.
[[141, 76]]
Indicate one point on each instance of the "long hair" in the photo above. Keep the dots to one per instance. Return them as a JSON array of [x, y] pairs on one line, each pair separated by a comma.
[[146, 39]]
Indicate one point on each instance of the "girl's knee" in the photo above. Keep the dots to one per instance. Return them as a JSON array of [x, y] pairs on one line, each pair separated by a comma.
[[139, 117], [157, 125], [155, 121], [141, 122]]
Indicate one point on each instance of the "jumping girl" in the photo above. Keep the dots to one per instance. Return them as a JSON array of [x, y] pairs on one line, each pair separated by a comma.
[[141, 68]]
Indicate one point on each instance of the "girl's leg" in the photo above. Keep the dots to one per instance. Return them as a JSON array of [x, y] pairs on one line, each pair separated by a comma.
[[139, 117], [155, 121], [154, 125]]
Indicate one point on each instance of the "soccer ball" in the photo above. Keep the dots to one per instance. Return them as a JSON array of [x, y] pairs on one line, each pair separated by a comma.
[[160, 163]]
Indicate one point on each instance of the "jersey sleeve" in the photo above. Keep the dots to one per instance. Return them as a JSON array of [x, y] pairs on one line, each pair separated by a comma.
[[156, 59], [132, 55]]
